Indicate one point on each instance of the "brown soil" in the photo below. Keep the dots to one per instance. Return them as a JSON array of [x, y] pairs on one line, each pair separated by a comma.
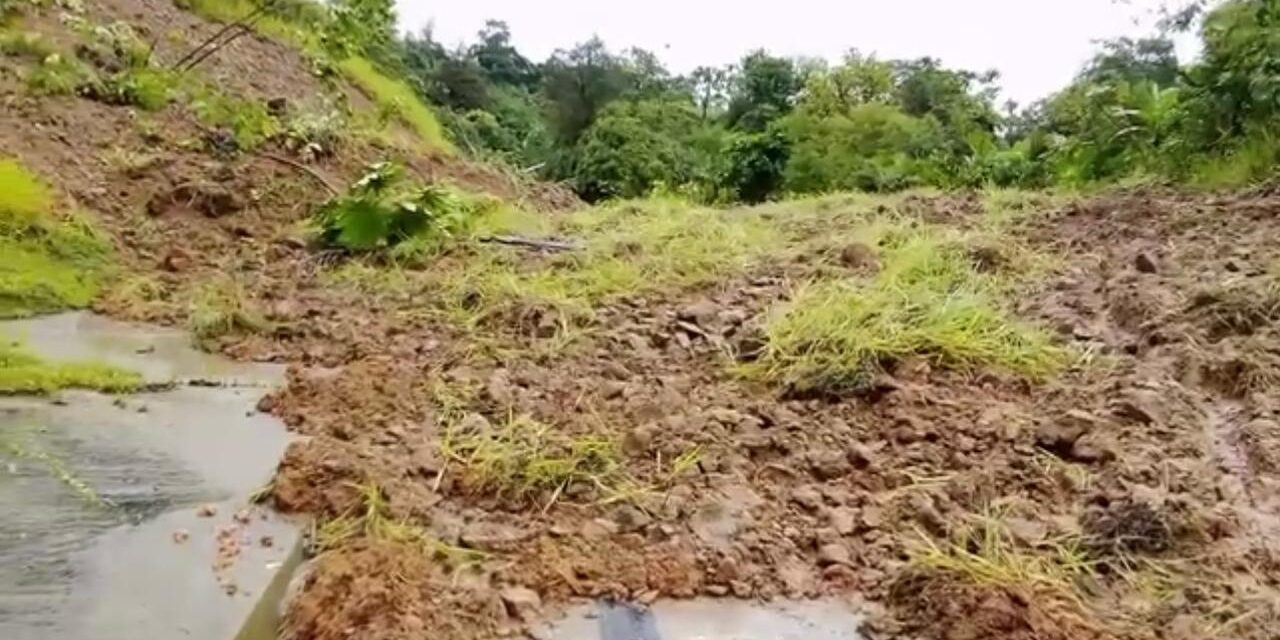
[[1160, 455]]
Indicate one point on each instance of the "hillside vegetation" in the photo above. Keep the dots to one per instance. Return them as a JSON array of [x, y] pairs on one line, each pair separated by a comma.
[[584, 329]]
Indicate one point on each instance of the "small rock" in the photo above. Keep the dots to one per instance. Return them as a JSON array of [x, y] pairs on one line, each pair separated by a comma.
[[267, 542], [872, 517], [242, 516], [522, 603], [180, 536], [278, 107], [1143, 405], [1058, 436], [717, 590], [207, 511], [267, 403], [807, 497], [829, 465], [859, 257], [843, 520], [861, 456], [1093, 449], [631, 518], [1145, 263], [638, 440], [834, 553], [702, 313], [598, 529]]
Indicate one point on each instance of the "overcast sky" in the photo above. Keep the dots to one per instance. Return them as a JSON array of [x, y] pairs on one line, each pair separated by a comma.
[[1037, 45]]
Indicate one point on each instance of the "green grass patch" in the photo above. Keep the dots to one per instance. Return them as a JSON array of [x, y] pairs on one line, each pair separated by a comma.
[[23, 372], [248, 121], [50, 263], [398, 98], [929, 299], [221, 307], [628, 248]]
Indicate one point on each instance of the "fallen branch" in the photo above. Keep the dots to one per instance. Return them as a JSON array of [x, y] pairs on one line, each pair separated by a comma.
[[333, 191], [530, 243]]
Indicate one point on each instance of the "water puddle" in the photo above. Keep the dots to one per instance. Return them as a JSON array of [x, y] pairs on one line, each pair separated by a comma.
[[709, 619], [101, 536]]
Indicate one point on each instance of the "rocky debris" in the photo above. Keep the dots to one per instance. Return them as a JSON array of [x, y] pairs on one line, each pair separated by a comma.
[[843, 519], [521, 603], [630, 518], [493, 536], [807, 496], [1060, 435], [833, 553], [210, 199], [702, 313], [829, 465], [181, 535], [207, 511], [1143, 405]]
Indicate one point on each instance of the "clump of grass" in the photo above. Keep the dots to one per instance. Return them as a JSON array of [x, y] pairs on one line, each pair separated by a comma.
[[59, 75], [23, 372], [984, 552], [248, 121], [398, 98], [372, 519], [50, 263], [221, 308], [928, 300], [524, 458], [629, 248], [26, 44]]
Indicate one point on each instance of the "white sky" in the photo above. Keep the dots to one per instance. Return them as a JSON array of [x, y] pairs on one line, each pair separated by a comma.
[[1037, 45]]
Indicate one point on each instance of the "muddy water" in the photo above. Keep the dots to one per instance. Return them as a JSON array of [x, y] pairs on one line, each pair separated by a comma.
[[100, 536], [1256, 498], [709, 619]]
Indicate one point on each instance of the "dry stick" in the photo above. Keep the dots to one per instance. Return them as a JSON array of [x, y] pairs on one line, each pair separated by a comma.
[[244, 30], [531, 243], [253, 15], [305, 169]]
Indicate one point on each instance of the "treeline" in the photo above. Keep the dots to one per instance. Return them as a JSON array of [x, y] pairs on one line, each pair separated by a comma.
[[619, 124]]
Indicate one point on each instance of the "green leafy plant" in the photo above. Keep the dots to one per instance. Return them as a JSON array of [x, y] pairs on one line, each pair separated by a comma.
[[381, 212]]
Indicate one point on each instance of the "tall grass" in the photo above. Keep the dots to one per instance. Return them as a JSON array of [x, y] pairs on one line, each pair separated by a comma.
[[397, 97], [928, 300]]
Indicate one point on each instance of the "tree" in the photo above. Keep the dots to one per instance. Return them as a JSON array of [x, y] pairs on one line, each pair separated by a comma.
[[577, 84], [634, 146], [500, 60], [763, 91], [710, 88]]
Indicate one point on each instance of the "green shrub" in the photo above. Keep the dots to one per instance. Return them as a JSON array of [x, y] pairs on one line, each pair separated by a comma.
[[380, 212]]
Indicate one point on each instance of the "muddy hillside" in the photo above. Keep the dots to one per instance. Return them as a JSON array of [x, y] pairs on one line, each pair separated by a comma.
[[996, 414]]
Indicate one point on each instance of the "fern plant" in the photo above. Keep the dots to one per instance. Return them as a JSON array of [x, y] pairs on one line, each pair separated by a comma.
[[379, 213]]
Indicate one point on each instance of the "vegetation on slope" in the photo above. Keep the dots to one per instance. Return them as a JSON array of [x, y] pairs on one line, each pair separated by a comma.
[[50, 262]]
